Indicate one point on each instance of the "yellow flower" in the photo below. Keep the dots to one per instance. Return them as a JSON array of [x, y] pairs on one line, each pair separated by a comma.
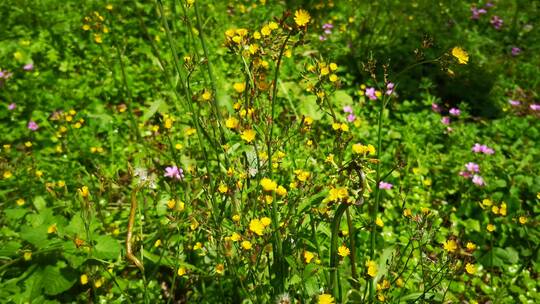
[[86, 27], [27, 256], [333, 66], [223, 188], [266, 221], [325, 299], [523, 220], [220, 268], [379, 222], [236, 217], [198, 246], [371, 268], [336, 194], [471, 246], [460, 55], [407, 212], [325, 71], [109, 7], [97, 38], [470, 268], [268, 184], [231, 123], [450, 245], [257, 227], [490, 227], [281, 191], [308, 256], [235, 237], [272, 25], [265, 31], [343, 251], [206, 95], [52, 229], [246, 245], [7, 174], [239, 87], [248, 135], [84, 279], [157, 243], [301, 17], [181, 271], [333, 78], [20, 202], [83, 191]]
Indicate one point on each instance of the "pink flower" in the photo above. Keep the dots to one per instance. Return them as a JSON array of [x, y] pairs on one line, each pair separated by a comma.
[[322, 38], [32, 125], [455, 112], [174, 172], [514, 103], [389, 88], [445, 120], [472, 167], [535, 107], [370, 92], [347, 109], [497, 22], [435, 107], [12, 106], [516, 51], [28, 67], [385, 185], [478, 148], [478, 180], [465, 174], [351, 117]]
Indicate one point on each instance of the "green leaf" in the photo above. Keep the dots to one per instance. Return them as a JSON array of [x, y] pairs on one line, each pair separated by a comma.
[[106, 247], [39, 203], [58, 280], [308, 106]]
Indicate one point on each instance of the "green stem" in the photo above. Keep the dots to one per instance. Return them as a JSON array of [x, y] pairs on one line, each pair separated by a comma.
[[334, 259]]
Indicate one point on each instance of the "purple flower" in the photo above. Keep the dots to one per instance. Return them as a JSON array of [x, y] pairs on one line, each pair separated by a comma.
[[370, 92], [516, 51], [465, 174], [514, 103], [445, 120], [489, 4], [389, 88], [174, 172], [385, 185], [328, 26], [351, 117], [5, 74], [477, 12], [488, 150], [535, 107], [478, 180], [12, 106], [347, 109], [455, 112], [28, 67], [478, 148], [472, 167], [322, 38], [496, 22], [32, 125], [435, 107]]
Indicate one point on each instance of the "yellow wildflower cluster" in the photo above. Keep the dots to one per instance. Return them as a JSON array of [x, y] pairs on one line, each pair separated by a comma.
[[337, 194], [371, 268], [258, 226], [363, 149]]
